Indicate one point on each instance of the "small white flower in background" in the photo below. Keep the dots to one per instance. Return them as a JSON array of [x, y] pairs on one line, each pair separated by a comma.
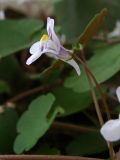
[[2, 15], [111, 129], [116, 32], [50, 45]]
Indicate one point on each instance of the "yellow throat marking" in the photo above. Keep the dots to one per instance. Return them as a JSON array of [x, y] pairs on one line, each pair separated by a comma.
[[44, 37]]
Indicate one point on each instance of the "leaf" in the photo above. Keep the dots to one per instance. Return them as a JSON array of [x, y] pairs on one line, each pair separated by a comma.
[[9, 70], [104, 64], [70, 101], [16, 35], [87, 144], [45, 149], [4, 87], [74, 18], [8, 120], [92, 27], [10, 63], [34, 123]]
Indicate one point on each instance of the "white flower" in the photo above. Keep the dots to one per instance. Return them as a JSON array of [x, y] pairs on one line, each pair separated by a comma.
[[2, 15], [116, 31], [50, 45], [111, 129]]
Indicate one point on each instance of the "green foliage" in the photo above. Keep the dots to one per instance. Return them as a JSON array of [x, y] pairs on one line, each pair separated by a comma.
[[70, 101], [104, 64], [87, 144], [16, 35], [45, 149], [8, 120], [73, 97], [4, 87], [78, 13], [34, 123]]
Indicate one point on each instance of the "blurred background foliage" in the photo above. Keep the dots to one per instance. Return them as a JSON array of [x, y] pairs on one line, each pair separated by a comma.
[[54, 113]]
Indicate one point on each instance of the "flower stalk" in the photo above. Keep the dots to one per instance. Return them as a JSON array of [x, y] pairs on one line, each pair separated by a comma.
[[92, 80]]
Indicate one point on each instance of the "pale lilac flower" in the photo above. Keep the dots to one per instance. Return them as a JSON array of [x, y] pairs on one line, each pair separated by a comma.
[[2, 15], [111, 129], [116, 32], [50, 45]]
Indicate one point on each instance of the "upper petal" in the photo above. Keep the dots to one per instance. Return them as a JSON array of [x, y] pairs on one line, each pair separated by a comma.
[[35, 48], [118, 93], [111, 130], [51, 32]]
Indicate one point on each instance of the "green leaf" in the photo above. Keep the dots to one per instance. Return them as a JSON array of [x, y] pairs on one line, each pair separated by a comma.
[[87, 144], [9, 70], [16, 35], [4, 87], [45, 149], [104, 64], [75, 16], [70, 101], [8, 120], [92, 27], [35, 122]]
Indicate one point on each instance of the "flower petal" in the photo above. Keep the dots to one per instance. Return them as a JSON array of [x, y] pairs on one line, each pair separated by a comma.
[[2, 15], [35, 48], [51, 32], [50, 51], [33, 58], [111, 130], [118, 93], [64, 54], [116, 31], [50, 45], [74, 65]]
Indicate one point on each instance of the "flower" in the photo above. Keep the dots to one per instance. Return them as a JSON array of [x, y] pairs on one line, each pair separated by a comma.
[[111, 129], [50, 45], [2, 15], [116, 32]]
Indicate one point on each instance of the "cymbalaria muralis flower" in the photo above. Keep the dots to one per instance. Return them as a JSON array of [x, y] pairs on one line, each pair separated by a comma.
[[116, 32], [111, 129], [2, 15], [50, 45]]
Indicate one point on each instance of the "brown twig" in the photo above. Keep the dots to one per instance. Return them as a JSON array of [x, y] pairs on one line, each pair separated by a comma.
[[91, 80], [71, 129], [43, 157], [28, 93], [93, 119], [43, 88], [98, 87]]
